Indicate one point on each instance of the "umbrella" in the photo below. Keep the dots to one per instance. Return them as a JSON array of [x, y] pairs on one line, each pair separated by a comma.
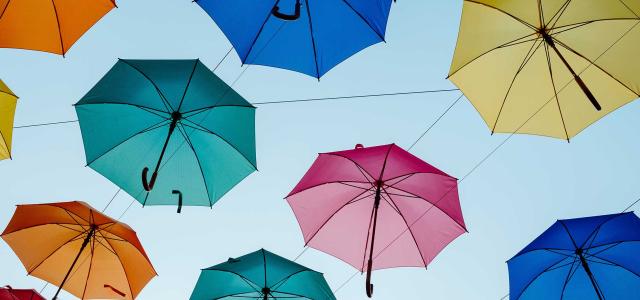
[[374, 208], [74, 246], [261, 275], [306, 36], [8, 103], [48, 25], [549, 68], [9, 293], [175, 124], [585, 258]]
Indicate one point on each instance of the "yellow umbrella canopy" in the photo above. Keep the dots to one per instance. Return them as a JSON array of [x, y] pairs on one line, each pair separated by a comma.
[[556, 66], [74, 246], [7, 110]]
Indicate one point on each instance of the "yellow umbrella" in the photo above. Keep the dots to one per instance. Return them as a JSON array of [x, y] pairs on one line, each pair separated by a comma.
[[7, 109], [556, 66]]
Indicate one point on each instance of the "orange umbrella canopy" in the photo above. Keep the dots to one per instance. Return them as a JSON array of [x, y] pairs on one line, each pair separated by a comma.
[[74, 246], [48, 25]]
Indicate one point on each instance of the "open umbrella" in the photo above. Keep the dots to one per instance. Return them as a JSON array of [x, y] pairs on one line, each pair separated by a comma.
[[74, 246], [554, 66], [377, 207], [9, 293], [164, 129], [48, 25], [261, 275], [306, 36], [8, 103], [581, 259]]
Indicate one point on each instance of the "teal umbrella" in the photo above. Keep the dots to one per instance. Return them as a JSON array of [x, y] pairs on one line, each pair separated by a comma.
[[261, 275], [168, 132]]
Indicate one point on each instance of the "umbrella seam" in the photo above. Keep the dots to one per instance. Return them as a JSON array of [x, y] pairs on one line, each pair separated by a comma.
[[313, 39], [363, 19], [204, 178], [163, 98]]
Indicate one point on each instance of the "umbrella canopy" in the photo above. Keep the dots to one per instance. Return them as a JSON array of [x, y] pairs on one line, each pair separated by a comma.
[[261, 275], [48, 25], [175, 123], [554, 66], [586, 258], [8, 103], [377, 207], [306, 36], [9, 293], [74, 246]]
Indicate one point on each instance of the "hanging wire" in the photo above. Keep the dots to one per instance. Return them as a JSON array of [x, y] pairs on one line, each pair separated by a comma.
[[435, 122], [356, 96], [504, 297], [45, 124]]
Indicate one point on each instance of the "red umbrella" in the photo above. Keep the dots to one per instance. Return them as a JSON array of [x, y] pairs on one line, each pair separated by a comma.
[[8, 293], [376, 208]]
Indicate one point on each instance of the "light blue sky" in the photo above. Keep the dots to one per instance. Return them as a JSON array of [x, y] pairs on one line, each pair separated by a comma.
[[508, 201]]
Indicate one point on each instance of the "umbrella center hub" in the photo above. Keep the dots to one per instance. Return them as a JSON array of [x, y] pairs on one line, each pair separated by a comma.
[[579, 252], [176, 116], [266, 291]]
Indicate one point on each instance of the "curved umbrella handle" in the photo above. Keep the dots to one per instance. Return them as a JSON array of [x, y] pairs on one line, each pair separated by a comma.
[[369, 286], [179, 193], [276, 12], [115, 290], [148, 185]]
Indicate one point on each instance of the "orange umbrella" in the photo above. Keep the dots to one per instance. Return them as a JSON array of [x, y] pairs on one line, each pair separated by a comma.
[[48, 25], [76, 247]]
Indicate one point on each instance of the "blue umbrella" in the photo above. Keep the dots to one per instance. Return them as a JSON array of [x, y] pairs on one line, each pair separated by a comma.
[[585, 258], [306, 36]]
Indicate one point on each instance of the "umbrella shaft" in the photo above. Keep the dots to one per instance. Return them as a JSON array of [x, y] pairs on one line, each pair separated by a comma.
[[585, 265], [84, 245], [172, 127]]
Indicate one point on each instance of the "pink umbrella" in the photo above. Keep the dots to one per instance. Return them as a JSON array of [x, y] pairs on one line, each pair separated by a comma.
[[377, 207]]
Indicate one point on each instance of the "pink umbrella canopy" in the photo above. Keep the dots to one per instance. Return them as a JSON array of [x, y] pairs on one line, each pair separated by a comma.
[[377, 207], [9, 293]]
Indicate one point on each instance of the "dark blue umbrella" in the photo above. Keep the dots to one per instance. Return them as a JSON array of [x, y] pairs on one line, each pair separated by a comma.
[[585, 258], [306, 36]]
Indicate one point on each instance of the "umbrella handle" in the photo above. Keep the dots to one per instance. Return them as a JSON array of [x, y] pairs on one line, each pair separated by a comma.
[[148, 185], [276, 12], [369, 286], [115, 290], [176, 192]]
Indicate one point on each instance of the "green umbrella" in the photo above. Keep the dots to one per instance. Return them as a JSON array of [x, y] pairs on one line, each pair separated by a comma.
[[261, 275], [164, 130]]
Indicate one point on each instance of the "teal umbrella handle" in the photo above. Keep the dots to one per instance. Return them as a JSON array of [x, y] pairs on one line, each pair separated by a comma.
[[176, 192], [276, 12], [148, 185]]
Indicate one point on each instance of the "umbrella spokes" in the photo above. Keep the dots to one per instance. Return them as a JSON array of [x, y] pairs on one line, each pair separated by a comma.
[[276, 12], [549, 40], [148, 184], [86, 241]]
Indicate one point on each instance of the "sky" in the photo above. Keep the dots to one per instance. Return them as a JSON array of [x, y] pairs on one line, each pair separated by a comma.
[[508, 201]]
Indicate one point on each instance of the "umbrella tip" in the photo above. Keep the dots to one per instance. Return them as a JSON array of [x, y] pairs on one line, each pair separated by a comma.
[[359, 146]]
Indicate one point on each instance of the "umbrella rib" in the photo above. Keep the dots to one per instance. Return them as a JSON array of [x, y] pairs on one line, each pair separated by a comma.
[[200, 110], [555, 91], [331, 217], [313, 39], [556, 17], [246, 280], [201, 128], [617, 265], [535, 278], [125, 270], [4, 9], [54, 252], [255, 39], [55, 11], [86, 282], [413, 237], [363, 171], [594, 62], [193, 72], [148, 129], [526, 60], [283, 280], [363, 19], [162, 97], [572, 272], [204, 178]]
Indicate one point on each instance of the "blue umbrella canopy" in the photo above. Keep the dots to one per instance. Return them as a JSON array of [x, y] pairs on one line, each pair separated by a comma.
[[306, 36], [261, 275], [585, 258], [164, 130]]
